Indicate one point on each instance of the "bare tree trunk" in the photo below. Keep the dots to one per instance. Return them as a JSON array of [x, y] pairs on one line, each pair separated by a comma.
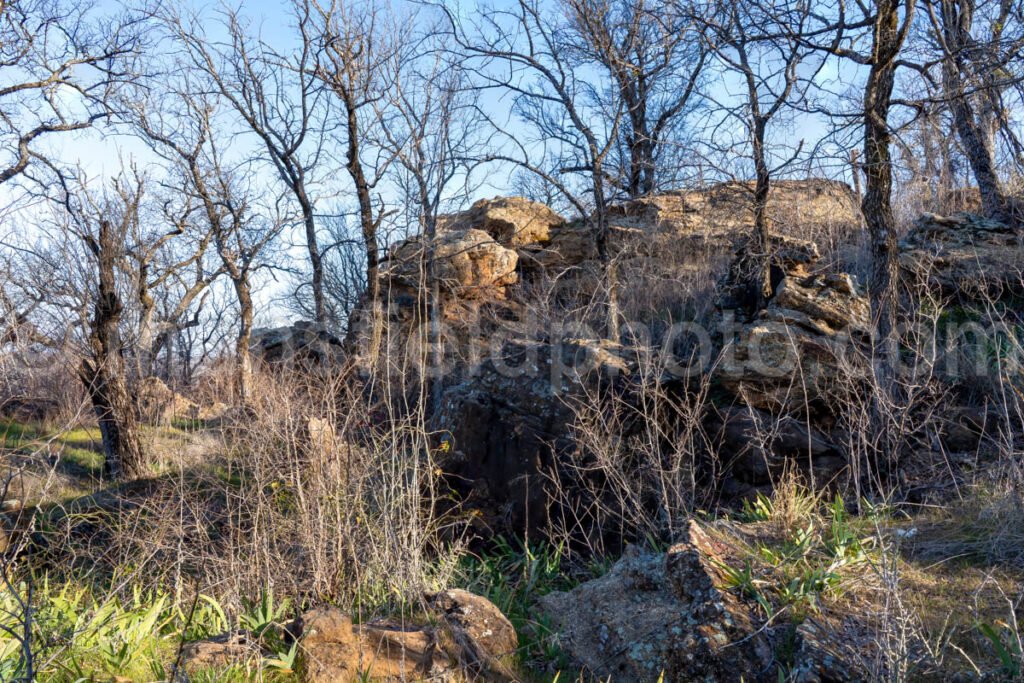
[[855, 171], [315, 257], [977, 143], [242, 351], [104, 374], [367, 220], [760, 275], [147, 305], [601, 228], [354, 164], [877, 203]]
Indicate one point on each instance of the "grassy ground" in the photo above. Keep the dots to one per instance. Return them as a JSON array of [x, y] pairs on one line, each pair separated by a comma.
[[959, 570]]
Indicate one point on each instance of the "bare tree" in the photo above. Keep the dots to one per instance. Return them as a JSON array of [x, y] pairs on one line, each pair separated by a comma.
[[172, 257], [103, 223], [974, 75], [219, 195], [873, 37], [651, 51], [60, 71], [758, 42], [282, 101], [353, 45], [526, 52]]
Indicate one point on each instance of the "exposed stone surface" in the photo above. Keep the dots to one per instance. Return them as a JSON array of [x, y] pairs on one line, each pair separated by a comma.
[[756, 447], [655, 614], [719, 216], [505, 426], [467, 641], [159, 404], [964, 253], [800, 346], [301, 342], [832, 651], [668, 616], [813, 206], [333, 649], [512, 221], [219, 652], [470, 263], [483, 636]]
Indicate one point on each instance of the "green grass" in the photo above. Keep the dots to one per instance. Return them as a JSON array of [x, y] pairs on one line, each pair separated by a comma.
[[513, 575], [77, 636]]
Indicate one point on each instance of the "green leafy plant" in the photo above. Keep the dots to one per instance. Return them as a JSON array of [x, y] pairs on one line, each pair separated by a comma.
[[1006, 646], [260, 616]]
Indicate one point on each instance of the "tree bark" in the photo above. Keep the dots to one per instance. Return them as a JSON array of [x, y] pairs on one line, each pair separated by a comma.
[[243, 354], [877, 203], [315, 257], [956, 25], [601, 232], [104, 374], [760, 276]]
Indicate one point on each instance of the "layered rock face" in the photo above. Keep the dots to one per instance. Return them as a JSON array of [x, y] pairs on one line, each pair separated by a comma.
[[964, 255], [482, 250], [787, 367], [808, 205], [470, 264]]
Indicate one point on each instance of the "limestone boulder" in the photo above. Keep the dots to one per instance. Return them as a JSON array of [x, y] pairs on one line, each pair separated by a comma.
[[470, 263], [513, 221], [964, 255], [463, 638], [755, 447], [219, 652]]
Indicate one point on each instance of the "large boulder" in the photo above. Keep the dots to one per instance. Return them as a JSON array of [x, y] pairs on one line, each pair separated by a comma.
[[464, 638], [964, 254], [671, 617], [470, 264], [662, 617], [302, 342], [512, 221]]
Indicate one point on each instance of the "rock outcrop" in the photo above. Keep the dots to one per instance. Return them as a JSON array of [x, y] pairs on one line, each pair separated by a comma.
[[787, 366], [812, 206], [964, 255], [158, 404], [470, 640], [669, 225], [801, 345], [669, 617], [505, 427], [512, 221], [302, 342], [470, 264]]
